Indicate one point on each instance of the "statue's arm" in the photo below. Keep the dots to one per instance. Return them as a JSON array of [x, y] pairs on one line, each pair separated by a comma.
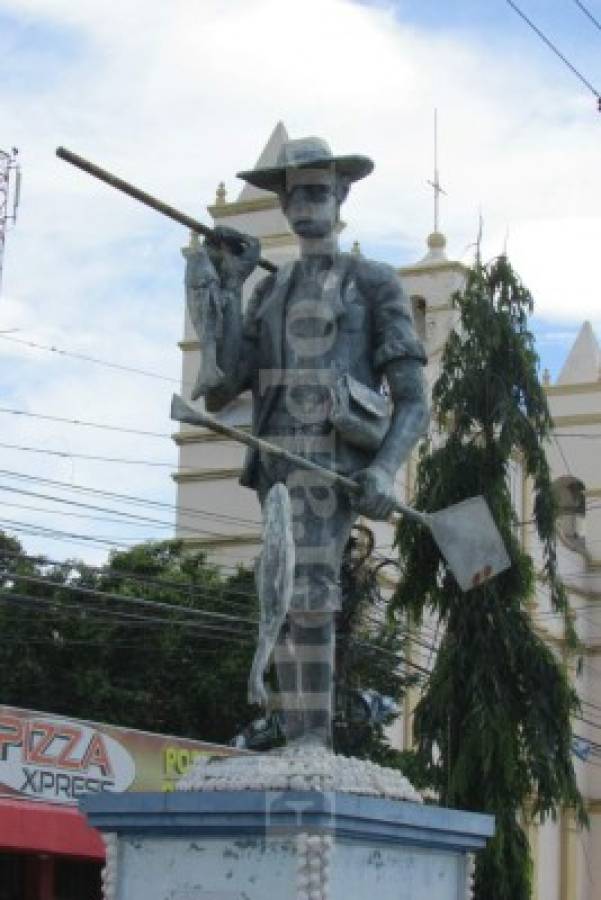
[[399, 356], [410, 414]]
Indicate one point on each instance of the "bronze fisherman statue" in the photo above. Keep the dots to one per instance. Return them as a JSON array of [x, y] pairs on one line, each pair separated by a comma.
[[327, 347]]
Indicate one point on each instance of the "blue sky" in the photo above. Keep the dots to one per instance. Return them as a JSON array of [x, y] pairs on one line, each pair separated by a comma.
[[495, 22], [179, 96]]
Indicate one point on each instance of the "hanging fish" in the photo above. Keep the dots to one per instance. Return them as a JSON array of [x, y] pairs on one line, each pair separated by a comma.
[[205, 306], [275, 583]]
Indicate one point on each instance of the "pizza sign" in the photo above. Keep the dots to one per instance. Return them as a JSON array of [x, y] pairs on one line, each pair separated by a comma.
[[58, 760]]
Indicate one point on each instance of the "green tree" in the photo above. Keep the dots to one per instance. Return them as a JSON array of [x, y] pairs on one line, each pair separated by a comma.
[[93, 643], [369, 658], [159, 639], [493, 725]]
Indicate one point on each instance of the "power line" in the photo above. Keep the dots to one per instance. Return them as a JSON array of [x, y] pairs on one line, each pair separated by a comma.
[[557, 52], [68, 454], [189, 592], [396, 656], [588, 13], [110, 573], [126, 498], [125, 542], [581, 435], [82, 422], [134, 601], [214, 632], [193, 592], [182, 611], [106, 616], [152, 604], [133, 518], [588, 703], [217, 632], [69, 536], [121, 644], [197, 595], [91, 359], [593, 744], [90, 537], [63, 512]]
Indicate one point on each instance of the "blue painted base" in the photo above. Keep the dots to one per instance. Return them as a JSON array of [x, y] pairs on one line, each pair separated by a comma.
[[251, 845]]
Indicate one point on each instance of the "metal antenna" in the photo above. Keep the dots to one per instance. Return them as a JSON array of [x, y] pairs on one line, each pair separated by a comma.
[[10, 192], [438, 190], [479, 238]]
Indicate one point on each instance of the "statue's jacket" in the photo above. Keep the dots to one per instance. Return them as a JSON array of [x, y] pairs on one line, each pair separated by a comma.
[[367, 325]]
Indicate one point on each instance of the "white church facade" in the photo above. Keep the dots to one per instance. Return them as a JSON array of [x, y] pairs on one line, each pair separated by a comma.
[[567, 861]]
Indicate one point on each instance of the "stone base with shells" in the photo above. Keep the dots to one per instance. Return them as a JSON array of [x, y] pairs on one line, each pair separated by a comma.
[[298, 824]]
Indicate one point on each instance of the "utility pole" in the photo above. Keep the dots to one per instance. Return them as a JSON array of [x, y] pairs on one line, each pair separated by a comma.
[[10, 191]]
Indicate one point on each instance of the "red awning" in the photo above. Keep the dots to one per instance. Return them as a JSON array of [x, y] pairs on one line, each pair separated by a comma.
[[35, 827]]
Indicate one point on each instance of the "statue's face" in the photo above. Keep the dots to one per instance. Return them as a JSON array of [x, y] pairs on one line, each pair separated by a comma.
[[311, 203]]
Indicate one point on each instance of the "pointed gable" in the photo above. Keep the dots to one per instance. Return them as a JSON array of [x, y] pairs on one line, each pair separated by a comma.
[[584, 360], [268, 157]]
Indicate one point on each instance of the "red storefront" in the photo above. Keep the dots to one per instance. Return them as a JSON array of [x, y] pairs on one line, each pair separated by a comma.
[[47, 849]]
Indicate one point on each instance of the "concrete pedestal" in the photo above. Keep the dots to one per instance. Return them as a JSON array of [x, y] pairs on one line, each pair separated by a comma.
[[269, 845]]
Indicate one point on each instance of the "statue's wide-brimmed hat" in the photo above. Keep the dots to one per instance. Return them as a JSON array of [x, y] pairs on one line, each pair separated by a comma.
[[306, 153]]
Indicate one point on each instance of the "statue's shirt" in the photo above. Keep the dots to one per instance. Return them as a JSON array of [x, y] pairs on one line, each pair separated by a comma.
[[311, 322], [299, 418]]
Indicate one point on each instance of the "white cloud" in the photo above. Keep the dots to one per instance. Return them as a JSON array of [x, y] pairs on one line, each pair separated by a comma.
[[177, 96], [557, 259]]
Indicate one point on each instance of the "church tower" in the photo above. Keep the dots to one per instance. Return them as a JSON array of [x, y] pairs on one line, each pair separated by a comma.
[[575, 405]]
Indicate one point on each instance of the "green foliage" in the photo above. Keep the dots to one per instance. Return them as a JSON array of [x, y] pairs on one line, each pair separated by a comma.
[[180, 668], [493, 727], [97, 657], [368, 650]]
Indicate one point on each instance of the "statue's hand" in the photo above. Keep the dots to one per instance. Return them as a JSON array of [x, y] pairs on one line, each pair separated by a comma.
[[376, 500], [233, 254]]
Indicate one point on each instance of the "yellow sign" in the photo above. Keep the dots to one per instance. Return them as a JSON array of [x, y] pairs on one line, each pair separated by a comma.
[[52, 758]]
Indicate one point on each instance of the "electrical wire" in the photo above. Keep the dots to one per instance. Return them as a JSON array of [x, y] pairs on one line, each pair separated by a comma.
[[89, 457], [588, 13], [126, 498], [104, 595], [76, 515], [108, 613], [557, 52], [144, 620], [64, 421], [112, 573], [167, 436], [150, 604], [202, 650], [209, 631], [134, 601], [122, 619], [69, 536], [132, 518], [82, 357]]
